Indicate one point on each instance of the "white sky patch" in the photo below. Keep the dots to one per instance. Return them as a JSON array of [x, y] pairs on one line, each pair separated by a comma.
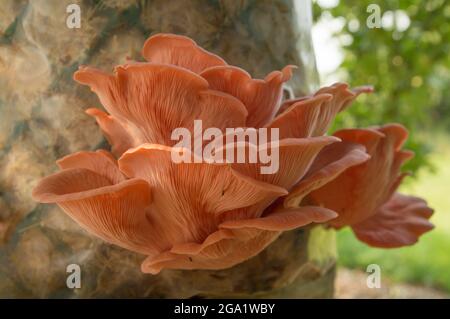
[[397, 19], [327, 47], [328, 4]]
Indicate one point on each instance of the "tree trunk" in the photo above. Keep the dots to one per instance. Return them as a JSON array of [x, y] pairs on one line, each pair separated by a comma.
[[42, 119]]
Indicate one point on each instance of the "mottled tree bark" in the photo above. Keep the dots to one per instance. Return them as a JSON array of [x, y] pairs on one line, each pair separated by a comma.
[[42, 119]]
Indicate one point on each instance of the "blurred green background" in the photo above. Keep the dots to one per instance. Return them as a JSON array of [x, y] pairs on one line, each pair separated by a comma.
[[407, 61]]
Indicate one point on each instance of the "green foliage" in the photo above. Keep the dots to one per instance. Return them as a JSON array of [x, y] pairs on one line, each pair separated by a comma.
[[426, 263], [408, 67]]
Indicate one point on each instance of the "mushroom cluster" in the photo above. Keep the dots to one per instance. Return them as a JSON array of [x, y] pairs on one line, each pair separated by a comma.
[[208, 215]]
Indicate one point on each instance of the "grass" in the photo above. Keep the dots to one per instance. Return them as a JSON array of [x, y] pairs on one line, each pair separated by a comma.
[[428, 262]]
